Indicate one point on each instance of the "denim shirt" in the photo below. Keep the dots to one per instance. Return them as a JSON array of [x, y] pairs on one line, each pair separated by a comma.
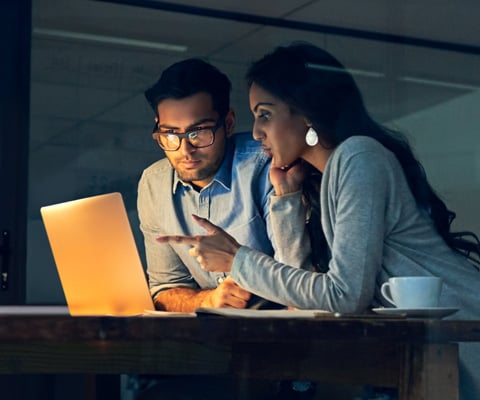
[[237, 200]]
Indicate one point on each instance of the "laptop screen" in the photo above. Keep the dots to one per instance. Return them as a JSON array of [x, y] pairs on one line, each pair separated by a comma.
[[96, 256]]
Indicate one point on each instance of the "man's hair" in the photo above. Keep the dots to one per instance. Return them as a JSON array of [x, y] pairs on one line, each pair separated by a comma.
[[188, 77]]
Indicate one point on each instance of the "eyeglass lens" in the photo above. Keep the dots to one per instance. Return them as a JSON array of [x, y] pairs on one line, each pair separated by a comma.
[[198, 138]]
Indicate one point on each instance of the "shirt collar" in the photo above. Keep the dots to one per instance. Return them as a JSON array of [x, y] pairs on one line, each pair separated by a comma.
[[223, 175]]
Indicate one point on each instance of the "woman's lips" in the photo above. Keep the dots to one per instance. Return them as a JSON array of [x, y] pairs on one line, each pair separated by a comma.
[[267, 151]]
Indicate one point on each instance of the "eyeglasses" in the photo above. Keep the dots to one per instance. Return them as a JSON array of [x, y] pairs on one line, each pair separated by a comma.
[[203, 136]]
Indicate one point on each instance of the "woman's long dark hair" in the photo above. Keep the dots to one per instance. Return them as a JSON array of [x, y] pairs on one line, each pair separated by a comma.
[[315, 84]]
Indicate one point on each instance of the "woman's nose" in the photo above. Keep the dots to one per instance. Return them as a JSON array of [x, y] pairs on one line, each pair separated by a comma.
[[257, 133]]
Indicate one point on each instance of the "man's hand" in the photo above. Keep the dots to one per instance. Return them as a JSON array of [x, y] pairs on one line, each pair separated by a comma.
[[227, 295]]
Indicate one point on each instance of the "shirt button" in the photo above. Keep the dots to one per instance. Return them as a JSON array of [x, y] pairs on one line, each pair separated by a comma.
[[220, 279]]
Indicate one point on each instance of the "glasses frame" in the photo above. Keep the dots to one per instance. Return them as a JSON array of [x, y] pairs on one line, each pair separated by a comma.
[[156, 134]]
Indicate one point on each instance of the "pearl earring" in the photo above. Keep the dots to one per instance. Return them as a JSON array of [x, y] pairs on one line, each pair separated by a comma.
[[311, 137]]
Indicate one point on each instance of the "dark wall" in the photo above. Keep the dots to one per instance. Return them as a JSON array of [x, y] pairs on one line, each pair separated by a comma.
[[15, 36]]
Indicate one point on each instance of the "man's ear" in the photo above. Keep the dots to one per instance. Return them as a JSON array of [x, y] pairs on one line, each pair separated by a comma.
[[230, 122]]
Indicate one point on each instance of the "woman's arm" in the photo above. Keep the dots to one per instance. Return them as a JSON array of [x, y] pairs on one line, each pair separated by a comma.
[[354, 207]]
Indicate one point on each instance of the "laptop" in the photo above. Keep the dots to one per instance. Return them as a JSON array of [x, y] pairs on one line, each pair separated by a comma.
[[96, 257]]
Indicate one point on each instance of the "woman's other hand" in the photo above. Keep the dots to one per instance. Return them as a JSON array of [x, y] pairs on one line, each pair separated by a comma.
[[287, 179]]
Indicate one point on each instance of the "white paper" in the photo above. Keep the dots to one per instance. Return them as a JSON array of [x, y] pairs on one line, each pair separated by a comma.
[[155, 313], [247, 312]]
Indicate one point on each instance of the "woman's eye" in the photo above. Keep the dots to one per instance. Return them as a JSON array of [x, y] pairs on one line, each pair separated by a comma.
[[265, 116]]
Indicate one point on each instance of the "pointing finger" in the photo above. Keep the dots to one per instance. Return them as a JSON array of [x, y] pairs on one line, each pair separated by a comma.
[[177, 239], [205, 224]]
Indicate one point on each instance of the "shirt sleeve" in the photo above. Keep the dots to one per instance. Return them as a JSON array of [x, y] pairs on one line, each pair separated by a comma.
[[165, 268]]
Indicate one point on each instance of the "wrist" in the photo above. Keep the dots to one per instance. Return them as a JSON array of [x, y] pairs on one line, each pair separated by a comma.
[[207, 300], [281, 190]]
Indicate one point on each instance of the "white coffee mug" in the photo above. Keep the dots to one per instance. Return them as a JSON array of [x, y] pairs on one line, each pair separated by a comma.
[[413, 292]]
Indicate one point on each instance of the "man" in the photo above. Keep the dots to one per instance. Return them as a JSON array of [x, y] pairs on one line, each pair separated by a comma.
[[211, 172], [208, 171]]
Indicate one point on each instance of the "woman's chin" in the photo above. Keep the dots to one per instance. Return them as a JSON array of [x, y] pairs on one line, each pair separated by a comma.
[[281, 165]]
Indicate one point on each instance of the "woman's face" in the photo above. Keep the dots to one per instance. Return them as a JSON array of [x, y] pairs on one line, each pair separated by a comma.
[[282, 133]]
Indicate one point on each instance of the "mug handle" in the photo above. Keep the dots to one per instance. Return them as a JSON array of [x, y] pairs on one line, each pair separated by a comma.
[[385, 289]]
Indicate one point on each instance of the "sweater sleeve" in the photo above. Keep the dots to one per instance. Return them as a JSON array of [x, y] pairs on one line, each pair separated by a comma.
[[355, 203], [289, 233], [353, 212]]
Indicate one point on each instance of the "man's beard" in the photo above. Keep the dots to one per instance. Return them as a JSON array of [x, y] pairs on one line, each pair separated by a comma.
[[207, 172], [204, 173]]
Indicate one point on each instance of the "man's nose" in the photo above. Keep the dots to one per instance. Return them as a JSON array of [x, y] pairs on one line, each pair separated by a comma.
[[186, 147]]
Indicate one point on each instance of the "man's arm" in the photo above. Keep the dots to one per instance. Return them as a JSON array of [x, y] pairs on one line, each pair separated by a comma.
[[184, 299], [181, 299]]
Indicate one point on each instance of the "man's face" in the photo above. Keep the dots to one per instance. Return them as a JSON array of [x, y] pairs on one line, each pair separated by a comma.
[[195, 165]]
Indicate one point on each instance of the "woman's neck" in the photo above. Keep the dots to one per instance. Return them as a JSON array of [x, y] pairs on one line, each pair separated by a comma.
[[318, 156]]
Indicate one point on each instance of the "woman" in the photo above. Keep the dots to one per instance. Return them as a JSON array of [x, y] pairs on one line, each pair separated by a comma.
[[371, 212]]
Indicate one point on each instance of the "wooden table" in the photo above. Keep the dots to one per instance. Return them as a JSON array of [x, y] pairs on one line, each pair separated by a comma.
[[419, 357]]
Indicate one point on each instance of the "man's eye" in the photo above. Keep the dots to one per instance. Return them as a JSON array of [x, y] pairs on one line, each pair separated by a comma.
[[167, 137], [199, 129]]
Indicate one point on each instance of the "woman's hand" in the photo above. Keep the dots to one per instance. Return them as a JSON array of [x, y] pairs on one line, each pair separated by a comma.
[[214, 251], [287, 179]]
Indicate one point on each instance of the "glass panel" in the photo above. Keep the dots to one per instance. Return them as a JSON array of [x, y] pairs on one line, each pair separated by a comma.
[[91, 62]]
